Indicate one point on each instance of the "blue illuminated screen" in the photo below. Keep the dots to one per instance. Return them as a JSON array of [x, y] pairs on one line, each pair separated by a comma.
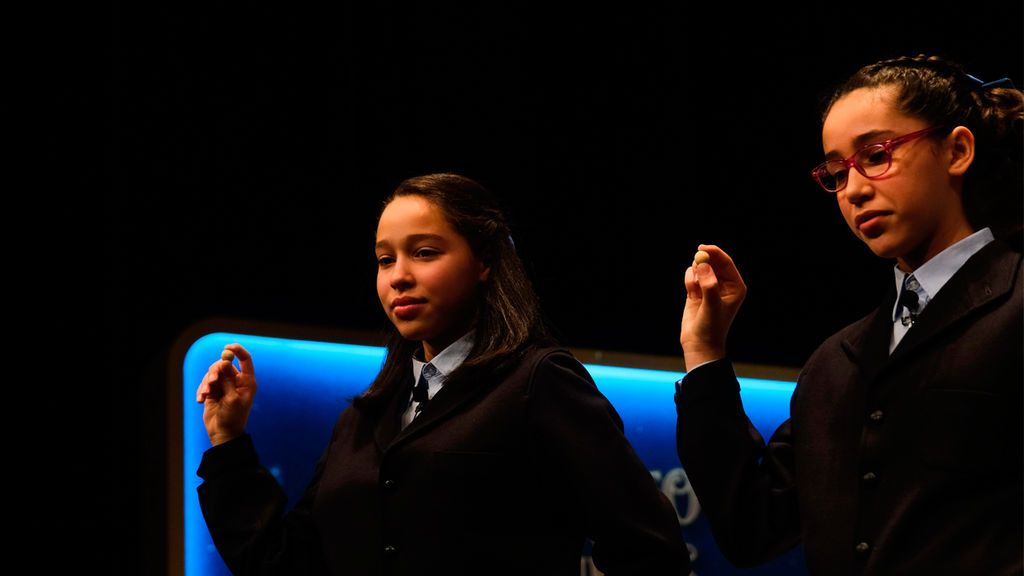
[[304, 385]]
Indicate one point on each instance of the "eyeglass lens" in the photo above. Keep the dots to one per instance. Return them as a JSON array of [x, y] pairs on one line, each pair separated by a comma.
[[871, 161]]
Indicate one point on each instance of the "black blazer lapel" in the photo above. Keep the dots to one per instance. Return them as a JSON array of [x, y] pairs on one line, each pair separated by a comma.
[[448, 399], [868, 346], [455, 394], [390, 424], [986, 276]]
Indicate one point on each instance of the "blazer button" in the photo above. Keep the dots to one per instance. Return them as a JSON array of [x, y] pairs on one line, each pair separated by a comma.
[[390, 550], [389, 484], [862, 547], [877, 416], [869, 477]]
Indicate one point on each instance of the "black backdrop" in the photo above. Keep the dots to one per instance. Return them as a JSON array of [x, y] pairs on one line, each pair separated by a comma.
[[250, 148]]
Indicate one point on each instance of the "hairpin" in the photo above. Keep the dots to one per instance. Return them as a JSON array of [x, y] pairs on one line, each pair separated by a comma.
[[1004, 82]]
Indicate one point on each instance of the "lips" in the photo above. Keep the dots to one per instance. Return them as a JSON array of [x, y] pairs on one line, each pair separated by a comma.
[[406, 301], [870, 222], [407, 307]]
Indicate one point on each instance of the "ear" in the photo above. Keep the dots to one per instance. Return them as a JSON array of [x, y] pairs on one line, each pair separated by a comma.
[[961, 141], [485, 273]]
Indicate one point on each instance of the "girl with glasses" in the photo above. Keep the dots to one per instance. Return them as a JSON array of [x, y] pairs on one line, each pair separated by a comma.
[[903, 451], [481, 447]]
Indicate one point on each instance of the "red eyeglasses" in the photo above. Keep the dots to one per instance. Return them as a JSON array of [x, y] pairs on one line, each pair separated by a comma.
[[872, 161]]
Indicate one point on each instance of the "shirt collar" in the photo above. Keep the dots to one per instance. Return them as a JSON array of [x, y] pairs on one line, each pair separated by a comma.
[[933, 274], [447, 360]]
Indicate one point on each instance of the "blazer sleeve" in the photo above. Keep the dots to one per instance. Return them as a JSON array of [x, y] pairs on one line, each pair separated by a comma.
[[580, 436], [746, 488], [244, 509]]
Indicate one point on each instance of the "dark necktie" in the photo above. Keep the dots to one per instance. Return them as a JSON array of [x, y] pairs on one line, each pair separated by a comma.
[[419, 392], [908, 299]]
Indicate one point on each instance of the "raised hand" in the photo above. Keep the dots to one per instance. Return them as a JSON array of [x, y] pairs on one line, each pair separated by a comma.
[[714, 292], [227, 395]]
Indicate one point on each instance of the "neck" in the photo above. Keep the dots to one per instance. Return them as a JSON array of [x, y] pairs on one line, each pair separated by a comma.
[[931, 248], [434, 346], [432, 349]]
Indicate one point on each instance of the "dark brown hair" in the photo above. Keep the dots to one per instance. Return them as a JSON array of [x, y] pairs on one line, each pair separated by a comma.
[[942, 94], [508, 318]]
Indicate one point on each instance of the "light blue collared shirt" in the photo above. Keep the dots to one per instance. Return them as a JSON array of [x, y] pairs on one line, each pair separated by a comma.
[[441, 366], [933, 275]]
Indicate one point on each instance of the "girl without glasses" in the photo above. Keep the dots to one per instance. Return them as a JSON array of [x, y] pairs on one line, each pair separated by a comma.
[[479, 449], [903, 452]]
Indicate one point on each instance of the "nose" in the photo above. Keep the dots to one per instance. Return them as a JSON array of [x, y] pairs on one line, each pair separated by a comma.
[[401, 275], [858, 188]]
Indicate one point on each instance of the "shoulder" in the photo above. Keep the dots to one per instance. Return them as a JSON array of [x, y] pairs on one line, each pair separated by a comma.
[[1005, 280], [556, 383], [545, 366], [548, 361], [550, 355], [990, 280], [1010, 263], [997, 262]]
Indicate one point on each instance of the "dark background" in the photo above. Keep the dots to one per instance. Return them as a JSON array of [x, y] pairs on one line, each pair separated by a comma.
[[250, 148]]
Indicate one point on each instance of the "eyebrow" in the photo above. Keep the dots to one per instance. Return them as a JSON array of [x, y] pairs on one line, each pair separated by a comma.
[[872, 137], [412, 239]]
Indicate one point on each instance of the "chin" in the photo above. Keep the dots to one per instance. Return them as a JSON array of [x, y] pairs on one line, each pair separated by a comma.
[[408, 330], [411, 334], [884, 252], [882, 247]]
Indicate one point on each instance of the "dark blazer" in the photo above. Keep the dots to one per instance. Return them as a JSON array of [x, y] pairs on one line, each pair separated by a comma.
[[902, 464], [502, 475]]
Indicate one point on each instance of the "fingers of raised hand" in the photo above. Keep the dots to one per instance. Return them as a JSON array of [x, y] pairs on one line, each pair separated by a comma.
[[691, 284], [206, 387], [219, 374], [244, 358]]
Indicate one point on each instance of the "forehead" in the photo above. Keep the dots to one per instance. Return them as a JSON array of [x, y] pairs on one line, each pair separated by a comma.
[[863, 111], [407, 215]]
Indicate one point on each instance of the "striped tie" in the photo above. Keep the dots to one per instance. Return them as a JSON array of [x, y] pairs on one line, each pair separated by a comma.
[[419, 392], [908, 299]]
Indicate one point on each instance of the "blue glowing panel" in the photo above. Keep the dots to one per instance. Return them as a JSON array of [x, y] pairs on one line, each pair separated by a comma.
[[304, 386]]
